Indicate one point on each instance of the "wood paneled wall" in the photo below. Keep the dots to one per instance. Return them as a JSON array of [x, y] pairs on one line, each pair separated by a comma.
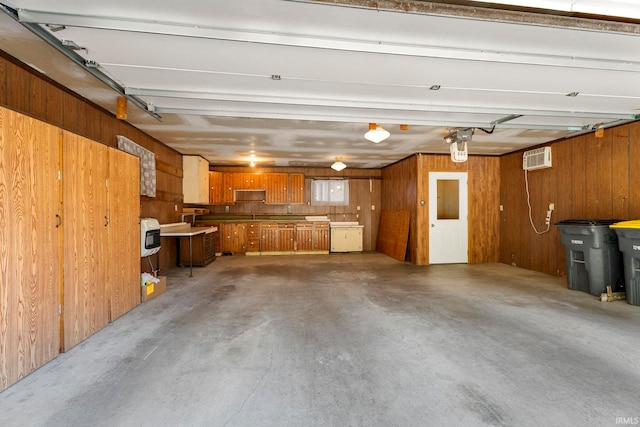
[[412, 175], [27, 91], [484, 209], [590, 178], [404, 175], [364, 192]]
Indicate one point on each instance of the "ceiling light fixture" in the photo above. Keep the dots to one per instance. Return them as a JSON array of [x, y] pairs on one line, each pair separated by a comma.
[[338, 165], [376, 133]]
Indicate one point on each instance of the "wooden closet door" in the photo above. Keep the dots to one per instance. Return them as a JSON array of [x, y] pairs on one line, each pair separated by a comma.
[[86, 305], [124, 232], [29, 245]]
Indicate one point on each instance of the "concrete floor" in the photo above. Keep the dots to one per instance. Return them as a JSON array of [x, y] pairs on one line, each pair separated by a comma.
[[347, 340]]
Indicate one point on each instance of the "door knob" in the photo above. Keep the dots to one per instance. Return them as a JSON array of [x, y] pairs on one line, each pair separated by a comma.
[[433, 225]]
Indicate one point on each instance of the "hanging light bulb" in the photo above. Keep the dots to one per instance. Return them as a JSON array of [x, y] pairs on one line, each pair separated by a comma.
[[338, 165], [376, 133]]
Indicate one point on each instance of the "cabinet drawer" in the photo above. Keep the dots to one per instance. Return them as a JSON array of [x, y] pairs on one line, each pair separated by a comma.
[[253, 245]]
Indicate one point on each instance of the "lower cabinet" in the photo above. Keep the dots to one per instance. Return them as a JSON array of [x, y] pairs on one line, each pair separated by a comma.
[[346, 239], [312, 237], [253, 237], [234, 238], [321, 236], [286, 237], [203, 249], [268, 237], [264, 237], [304, 237]]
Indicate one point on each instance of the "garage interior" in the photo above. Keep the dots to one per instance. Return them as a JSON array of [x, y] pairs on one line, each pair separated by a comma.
[[281, 90], [356, 339]]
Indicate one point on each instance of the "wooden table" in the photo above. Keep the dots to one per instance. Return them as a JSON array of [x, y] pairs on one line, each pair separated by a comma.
[[182, 229]]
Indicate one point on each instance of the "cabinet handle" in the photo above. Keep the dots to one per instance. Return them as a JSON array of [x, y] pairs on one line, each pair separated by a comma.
[[59, 218], [106, 220]]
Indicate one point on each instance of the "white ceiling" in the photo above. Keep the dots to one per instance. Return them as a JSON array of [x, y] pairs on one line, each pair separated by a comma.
[[206, 68]]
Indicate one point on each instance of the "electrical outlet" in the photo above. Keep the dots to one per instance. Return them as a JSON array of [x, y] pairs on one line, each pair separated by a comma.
[[373, 207]]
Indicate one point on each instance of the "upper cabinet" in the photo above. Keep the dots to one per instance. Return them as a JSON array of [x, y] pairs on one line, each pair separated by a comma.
[[296, 188], [276, 185], [216, 188], [276, 188], [248, 181], [195, 179]]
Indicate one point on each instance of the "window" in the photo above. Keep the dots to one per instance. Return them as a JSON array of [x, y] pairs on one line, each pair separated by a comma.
[[330, 192]]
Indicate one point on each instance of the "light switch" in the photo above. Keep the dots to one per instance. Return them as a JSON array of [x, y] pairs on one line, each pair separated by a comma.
[[373, 207]]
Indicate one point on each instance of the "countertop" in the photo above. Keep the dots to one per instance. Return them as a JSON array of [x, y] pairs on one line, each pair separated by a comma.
[[182, 229]]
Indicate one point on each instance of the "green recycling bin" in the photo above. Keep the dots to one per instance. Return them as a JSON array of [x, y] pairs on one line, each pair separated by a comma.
[[593, 260], [629, 244]]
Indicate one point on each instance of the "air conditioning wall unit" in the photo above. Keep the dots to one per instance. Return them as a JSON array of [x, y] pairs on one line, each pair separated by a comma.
[[538, 158]]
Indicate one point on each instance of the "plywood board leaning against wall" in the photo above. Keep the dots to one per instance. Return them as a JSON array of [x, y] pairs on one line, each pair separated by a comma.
[[393, 233]]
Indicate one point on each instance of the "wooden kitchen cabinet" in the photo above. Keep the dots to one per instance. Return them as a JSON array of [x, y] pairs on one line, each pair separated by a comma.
[[203, 249], [304, 237], [321, 236], [277, 237], [234, 238], [268, 237], [248, 181], [296, 188], [195, 179], [253, 237], [216, 188], [312, 236], [286, 237], [228, 196], [276, 185]]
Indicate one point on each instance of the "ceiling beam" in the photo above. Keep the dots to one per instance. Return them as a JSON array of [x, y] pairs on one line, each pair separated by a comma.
[[494, 12]]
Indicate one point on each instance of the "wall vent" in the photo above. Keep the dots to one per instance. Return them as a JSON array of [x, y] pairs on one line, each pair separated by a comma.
[[539, 158]]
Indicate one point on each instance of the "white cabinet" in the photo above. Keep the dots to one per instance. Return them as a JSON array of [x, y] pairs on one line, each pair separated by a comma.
[[347, 238], [195, 180]]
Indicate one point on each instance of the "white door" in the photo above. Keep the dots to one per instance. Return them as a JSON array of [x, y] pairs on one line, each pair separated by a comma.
[[448, 228]]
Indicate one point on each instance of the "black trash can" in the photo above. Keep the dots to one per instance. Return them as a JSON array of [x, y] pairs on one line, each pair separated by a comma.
[[629, 243], [593, 258]]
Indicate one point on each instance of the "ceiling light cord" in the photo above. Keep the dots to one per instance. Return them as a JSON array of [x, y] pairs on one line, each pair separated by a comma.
[[526, 186]]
